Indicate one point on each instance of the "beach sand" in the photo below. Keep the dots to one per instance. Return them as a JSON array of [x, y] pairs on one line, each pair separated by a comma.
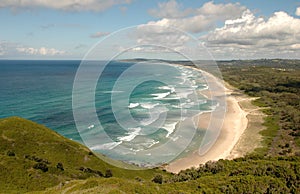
[[228, 144]]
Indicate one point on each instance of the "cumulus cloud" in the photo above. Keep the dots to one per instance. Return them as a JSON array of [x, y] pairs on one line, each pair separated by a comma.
[[99, 34], [169, 9], [221, 11], [43, 51], [297, 11], [66, 5], [159, 35], [168, 34], [196, 20], [278, 34]]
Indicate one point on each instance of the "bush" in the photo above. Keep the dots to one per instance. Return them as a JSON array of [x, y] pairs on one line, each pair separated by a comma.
[[158, 179], [108, 173], [11, 153], [139, 179], [41, 166], [89, 170], [60, 166]]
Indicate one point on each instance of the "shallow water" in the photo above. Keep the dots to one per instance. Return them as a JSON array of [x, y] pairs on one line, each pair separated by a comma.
[[140, 109]]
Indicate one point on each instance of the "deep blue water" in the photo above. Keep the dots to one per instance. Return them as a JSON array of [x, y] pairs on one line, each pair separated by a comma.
[[42, 92]]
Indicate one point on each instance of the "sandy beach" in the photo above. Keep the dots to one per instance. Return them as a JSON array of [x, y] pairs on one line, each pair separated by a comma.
[[233, 125]]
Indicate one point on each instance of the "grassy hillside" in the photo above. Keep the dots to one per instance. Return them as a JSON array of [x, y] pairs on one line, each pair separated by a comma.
[[33, 157]]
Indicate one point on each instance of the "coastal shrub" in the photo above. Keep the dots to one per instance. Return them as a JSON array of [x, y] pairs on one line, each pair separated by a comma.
[[41, 166], [139, 179], [108, 173], [60, 166], [91, 171], [158, 179], [10, 153], [36, 159]]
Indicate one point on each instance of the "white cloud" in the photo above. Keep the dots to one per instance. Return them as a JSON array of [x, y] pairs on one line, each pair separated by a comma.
[[169, 31], [67, 5], [221, 11], [297, 11], [1, 51], [148, 34], [99, 34], [7, 48], [193, 24], [196, 20], [255, 35], [170, 9], [42, 51]]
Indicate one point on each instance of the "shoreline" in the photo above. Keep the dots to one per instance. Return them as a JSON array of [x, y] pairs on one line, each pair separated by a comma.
[[233, 127]]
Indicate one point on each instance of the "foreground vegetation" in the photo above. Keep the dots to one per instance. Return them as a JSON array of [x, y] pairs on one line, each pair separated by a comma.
[[244, 175], [36, 159], [33, 157]]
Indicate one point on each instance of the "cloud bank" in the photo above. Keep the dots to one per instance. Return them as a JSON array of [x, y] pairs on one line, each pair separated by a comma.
[[65, 5], [276, 35], [42, 51], [195, 20], [12, 49]]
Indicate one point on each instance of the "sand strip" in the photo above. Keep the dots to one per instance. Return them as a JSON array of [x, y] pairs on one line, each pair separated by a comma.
[[234, 124]]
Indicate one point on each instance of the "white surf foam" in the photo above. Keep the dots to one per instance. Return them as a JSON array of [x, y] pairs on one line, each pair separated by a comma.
[[213, 107], [132, 133], [149, 105], [160, 95], [154, 115], [133, 105], [170, 128], [91, 126], [172, 89], [184, 93], [106, 146]]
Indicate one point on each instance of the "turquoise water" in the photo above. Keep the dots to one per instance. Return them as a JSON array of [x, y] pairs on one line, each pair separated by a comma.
[[139, 108]]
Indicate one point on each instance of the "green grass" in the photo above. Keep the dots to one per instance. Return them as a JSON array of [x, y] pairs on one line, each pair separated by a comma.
[[268, 134], [24, 144]]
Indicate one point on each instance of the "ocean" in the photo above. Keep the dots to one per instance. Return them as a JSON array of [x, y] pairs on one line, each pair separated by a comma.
[[145, 110]]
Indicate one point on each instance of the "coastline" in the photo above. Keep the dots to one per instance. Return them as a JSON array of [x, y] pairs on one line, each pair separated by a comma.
[[235, 122]]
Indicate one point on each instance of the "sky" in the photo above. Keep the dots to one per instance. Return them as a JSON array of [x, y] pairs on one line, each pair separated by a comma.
[[228, 29]]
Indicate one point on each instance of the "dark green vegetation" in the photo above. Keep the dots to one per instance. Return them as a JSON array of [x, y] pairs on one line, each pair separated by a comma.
[[277, 84], [35, 158], [245, 175]]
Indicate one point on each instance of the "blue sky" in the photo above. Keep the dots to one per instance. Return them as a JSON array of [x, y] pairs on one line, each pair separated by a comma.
[[229, 29]]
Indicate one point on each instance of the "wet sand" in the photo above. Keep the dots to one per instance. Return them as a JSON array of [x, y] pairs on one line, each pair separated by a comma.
[[233, 123]]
